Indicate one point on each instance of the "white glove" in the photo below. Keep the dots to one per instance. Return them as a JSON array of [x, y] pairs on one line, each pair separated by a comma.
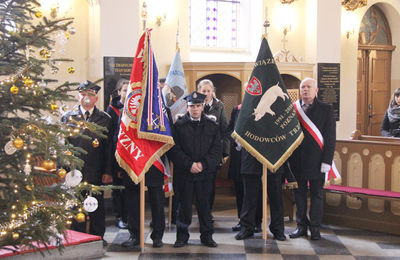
[[238, 146], [325, 167]]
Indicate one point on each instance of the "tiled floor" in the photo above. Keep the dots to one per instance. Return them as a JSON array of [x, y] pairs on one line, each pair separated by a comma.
[[337, 242]]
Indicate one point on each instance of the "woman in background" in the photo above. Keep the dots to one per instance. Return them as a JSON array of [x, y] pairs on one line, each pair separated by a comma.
[[215, 110], [391, 121]]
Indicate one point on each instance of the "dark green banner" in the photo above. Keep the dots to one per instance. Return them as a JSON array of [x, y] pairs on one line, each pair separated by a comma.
[[267, 125]]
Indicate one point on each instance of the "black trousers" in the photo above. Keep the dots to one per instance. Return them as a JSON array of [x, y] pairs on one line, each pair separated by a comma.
[[132, 204], [239, 190], [118, 199], [97, 219], [316, 203], [201, 190], [212, 192], [252, 198]]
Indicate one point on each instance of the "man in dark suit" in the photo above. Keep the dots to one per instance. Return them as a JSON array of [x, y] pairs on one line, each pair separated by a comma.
[[98, 165], [234, 163], [309, 162], [251, 211], [196, 155]]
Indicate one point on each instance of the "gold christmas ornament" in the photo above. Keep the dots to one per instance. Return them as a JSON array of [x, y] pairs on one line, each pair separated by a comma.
[[53, 106], [61, 173], [38, 14], [28, 82], [14, 89], [80, 217], [49, 165], [18, 143], [53, 12], [44, 53], [15, 236], [27, 187], [71, 70], [95, 143], [66, 36], [68, 152]]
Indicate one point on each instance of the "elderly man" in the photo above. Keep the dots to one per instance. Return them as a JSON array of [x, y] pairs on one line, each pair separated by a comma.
[[196, 154], [310, 162], [97, 167]]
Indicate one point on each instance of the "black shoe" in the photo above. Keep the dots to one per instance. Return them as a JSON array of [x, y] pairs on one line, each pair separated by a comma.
[[237, 227], [209, 242], [180, 243], [315, 234], [299, 232], [280, 237], [243, 234], [131, 242], [258, 229], [122, 225], [157, 243], [117, 220]]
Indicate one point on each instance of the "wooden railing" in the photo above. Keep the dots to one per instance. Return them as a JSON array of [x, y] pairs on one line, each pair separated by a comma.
[[370, 162]]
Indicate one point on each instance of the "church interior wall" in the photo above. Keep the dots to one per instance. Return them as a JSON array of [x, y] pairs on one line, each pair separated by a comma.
[[112, 28]]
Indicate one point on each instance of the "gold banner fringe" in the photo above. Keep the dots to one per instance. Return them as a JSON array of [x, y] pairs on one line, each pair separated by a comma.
[[262, 159], [335, 181], [138, 178]]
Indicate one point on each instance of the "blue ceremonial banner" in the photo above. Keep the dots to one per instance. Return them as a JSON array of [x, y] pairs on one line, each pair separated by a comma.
[[175, 89], [153, 119]]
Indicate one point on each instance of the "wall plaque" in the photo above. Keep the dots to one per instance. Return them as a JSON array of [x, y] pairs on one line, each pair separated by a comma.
[[114, 69], [329, 85]]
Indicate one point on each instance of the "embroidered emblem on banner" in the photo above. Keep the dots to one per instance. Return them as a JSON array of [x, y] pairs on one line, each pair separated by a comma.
[[133, 104], [254, 87]]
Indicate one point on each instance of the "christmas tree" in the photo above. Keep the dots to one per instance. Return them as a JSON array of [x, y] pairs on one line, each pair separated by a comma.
[[40, 189]]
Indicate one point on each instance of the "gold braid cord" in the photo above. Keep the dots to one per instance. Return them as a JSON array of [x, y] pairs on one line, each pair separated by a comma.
[[262, 159]]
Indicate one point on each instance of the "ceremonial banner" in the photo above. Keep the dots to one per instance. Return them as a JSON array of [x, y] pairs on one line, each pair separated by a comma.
[[267, 126], [175, 89], [145, 134]]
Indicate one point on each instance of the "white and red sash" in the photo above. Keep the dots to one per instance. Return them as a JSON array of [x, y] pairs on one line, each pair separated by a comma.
[[333, 175]]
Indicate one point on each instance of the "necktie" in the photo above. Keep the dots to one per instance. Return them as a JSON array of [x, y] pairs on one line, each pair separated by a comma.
[[207, 108], [306, 107], [87, 115]]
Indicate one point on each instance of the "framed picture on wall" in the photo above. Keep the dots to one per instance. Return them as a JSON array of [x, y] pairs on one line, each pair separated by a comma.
[[115, 68]]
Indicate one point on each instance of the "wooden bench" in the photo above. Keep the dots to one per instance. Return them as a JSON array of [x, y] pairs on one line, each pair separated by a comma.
[[369, 196]]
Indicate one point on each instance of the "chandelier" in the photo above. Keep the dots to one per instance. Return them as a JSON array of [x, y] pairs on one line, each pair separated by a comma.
[[351, 5]]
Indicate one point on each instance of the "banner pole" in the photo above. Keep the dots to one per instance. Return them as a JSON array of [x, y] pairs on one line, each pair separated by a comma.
[[170, 197], [142, 187], [170, 211], [264, 181]]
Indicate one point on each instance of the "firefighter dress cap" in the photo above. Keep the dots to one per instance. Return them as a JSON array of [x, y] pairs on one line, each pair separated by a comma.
[[195, 98], [88, 85]]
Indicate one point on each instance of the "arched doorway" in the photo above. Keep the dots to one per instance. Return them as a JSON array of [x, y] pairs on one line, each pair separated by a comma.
[[373, 71], [292, 86], [228, 90]]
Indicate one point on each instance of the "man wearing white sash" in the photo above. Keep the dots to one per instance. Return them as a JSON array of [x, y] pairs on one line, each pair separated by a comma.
[[313, 158]]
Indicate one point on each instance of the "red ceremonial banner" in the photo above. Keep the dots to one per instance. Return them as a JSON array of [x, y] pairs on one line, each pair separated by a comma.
[[136, 155]]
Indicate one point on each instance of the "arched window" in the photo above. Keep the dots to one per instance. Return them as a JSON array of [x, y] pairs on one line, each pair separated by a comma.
[[217, 23], [374, 28]]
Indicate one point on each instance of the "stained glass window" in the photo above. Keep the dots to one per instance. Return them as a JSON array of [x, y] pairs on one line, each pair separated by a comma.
[[214, 23]]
